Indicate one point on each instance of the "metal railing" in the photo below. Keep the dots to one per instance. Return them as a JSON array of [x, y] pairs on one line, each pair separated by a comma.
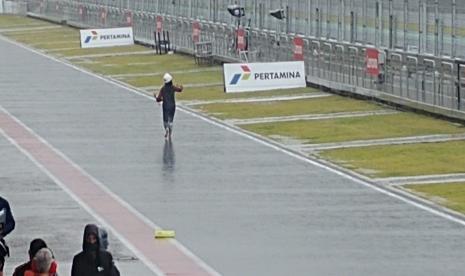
[[421, 42]]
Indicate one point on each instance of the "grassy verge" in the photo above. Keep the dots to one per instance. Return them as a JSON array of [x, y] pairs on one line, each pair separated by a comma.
[[14, 21], [451, 195], [357, 128], [286, 108], [180, 78], [43, 35], [144, 63], [402, 160], [217, 93], [104, 50], [54, 45]]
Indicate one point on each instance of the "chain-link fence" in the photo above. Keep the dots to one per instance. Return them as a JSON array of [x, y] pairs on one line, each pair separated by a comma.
[[421, 42]]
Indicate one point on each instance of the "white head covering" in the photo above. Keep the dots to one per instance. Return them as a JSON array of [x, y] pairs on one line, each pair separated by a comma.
[[167, 78]]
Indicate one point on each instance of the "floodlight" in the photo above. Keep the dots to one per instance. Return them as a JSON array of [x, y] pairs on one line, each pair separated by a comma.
[[279, 14], [236, 11]]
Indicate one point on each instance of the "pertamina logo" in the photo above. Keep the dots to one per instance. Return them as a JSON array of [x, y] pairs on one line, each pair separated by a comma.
[[94, 36], [245, 75]]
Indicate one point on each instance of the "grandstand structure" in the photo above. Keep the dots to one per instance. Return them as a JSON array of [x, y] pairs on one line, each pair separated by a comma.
[[420, 43]]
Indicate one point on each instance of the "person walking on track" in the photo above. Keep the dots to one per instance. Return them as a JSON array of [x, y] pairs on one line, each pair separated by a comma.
[[166, 95]]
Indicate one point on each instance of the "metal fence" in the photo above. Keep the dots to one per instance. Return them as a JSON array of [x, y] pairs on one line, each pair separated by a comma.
[[421, 42]]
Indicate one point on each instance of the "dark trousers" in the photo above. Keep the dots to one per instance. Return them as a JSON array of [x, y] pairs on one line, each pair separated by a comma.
[[168, 116]]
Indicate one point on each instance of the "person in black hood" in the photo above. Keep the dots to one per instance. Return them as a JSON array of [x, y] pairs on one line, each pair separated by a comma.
[[93, 260], [7, 224], [166, 95]]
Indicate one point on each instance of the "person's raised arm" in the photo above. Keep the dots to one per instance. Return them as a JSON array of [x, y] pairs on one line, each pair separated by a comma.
[[178, 88]]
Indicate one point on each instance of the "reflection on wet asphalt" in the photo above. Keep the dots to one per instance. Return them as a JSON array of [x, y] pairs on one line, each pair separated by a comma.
[[169, 160]]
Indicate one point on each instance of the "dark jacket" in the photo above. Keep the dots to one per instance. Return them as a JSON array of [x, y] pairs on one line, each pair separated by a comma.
[[166, 94], [93, 261], [9, 224], [34, 247], [20, 270]]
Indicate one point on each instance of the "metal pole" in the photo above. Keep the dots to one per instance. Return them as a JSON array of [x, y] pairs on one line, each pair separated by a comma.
[[377, 24], [424, 33], [328, 27], [436, 27], [381, 24], [365, 21], [343, 7], [405, 24], [352, 21], [459, 84], [310, 17], [419, 27], [288, 19], [391, 26], [339, 23], [454, 30]]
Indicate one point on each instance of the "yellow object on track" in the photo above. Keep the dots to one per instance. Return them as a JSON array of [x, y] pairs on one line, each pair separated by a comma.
[[164, 234]]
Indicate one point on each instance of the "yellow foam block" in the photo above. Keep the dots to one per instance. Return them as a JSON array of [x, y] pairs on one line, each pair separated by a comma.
[[164, 234]]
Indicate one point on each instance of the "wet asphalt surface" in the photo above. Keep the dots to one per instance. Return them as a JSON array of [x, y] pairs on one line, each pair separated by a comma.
[[242, 207]]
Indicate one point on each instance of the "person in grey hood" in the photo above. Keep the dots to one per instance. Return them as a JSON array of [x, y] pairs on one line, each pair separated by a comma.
[[93, 260], [7, 224], [166, 95]]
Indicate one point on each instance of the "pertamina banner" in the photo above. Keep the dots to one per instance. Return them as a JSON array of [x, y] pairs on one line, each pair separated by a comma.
[[263, 76], [106, 37]]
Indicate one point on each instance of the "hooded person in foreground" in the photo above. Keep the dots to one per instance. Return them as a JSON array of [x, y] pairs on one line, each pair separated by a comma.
[[93, 260]]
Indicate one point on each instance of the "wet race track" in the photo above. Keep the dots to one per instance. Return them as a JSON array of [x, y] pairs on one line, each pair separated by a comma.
[[91, 150]]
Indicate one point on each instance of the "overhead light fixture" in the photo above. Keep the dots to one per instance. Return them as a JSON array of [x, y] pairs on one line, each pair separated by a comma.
[[236, 11], [278, 14]]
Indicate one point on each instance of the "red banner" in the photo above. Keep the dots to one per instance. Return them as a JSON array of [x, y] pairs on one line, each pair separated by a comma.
[[298, 48], [159, 24], [195, 31], [372, 61], [241, 39]]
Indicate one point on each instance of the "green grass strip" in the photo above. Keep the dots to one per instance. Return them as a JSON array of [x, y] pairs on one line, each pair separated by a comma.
[[15, 21], [146, 63], [103, 50], [286, 108], [217, 93], [180, 78], [44, 34], [55, 45], [402, 160], [450, 195], [357, 128]]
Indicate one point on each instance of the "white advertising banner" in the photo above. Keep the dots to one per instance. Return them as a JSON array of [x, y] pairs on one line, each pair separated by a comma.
[[242, 77], [91, 38]]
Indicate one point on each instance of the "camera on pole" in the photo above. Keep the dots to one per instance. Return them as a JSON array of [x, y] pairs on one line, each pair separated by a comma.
[[236, 11], [278, 14]]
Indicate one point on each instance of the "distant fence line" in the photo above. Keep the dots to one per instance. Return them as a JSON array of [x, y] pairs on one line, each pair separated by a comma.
[[421, 42]]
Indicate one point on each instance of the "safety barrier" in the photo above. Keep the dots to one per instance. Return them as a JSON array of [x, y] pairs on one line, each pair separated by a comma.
[[419, 42]]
